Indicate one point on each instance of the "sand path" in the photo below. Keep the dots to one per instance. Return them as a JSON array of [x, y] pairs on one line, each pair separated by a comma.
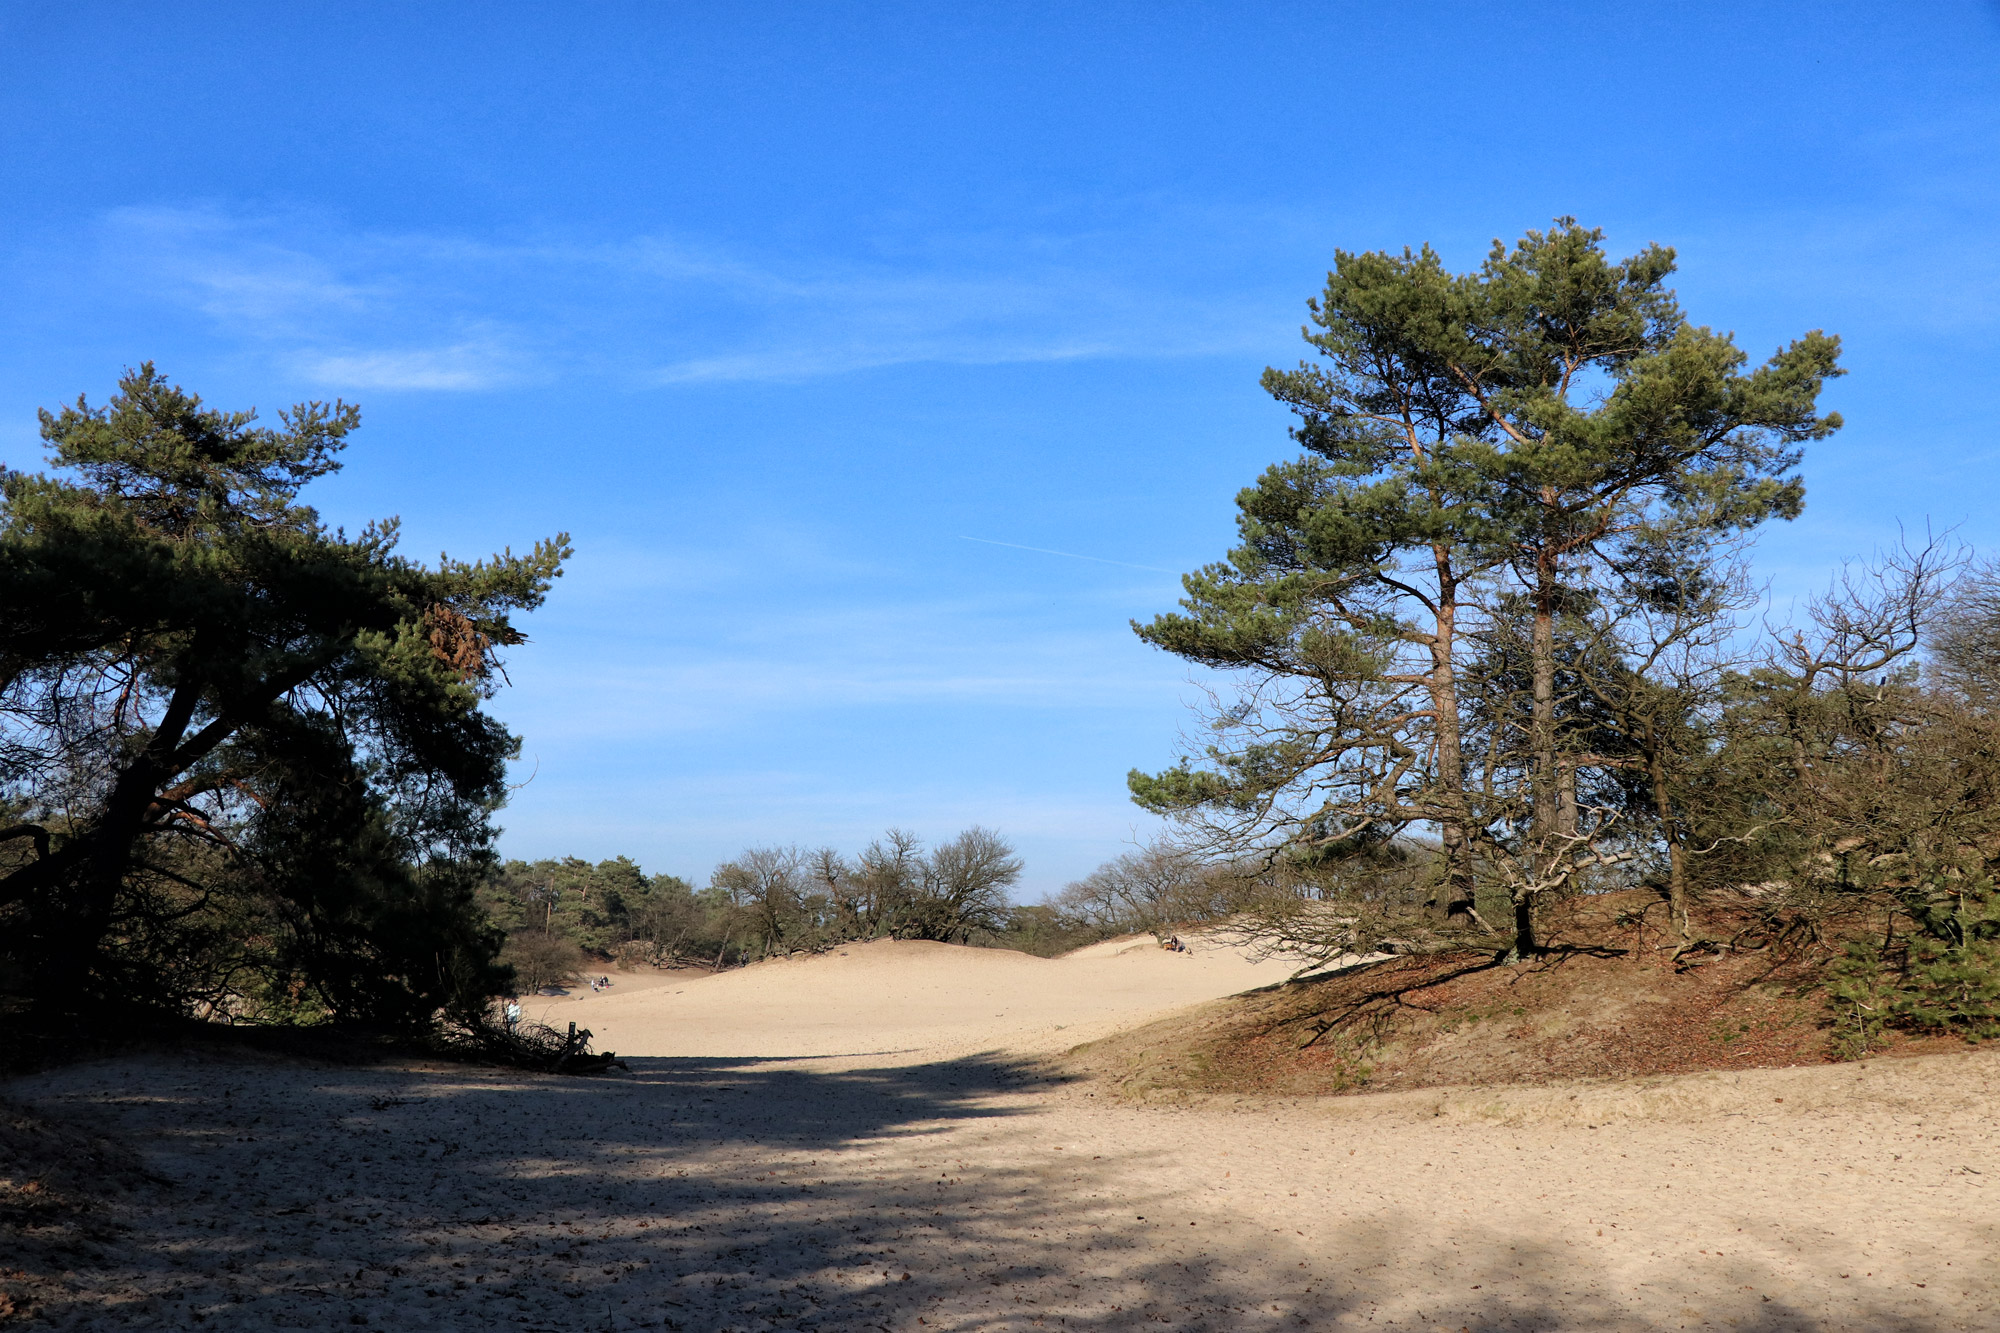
[[787, 1171]]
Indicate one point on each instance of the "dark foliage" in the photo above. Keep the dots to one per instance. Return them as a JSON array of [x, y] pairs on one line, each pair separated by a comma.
[[244, 764]]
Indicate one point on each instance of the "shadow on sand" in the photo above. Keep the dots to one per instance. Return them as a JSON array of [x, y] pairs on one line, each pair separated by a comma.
[[718, 1195]]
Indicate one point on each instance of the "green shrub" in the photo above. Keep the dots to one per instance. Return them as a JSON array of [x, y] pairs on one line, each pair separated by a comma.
[[1952, 988], [1942, 978], [1860, 995]]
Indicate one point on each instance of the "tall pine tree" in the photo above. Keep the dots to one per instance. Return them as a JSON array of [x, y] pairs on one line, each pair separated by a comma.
[[1525, 424]]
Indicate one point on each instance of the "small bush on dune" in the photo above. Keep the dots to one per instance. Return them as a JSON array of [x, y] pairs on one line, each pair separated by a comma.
[[540, 961], [1859, 998]]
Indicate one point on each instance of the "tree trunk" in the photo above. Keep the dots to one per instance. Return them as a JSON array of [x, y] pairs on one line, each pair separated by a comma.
[[1454, 901], [1663, 809], [1543, 778], [1544, 781], [75, 929], [1524, 925], [96, 864]]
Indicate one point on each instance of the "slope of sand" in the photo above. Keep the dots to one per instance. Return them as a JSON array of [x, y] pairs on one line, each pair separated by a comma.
[[760, 1171], [910, 1000]]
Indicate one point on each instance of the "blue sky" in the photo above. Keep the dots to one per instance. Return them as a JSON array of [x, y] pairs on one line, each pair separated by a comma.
[[772, 307]]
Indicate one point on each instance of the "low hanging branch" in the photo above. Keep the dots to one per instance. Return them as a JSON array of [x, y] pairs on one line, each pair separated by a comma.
[[35, 831]]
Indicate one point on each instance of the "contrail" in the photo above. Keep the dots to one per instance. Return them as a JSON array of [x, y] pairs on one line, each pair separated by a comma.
[[1043, 550]]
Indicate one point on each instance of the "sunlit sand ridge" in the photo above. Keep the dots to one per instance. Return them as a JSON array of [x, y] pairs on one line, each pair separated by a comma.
[[895, 998], [859, 1142]]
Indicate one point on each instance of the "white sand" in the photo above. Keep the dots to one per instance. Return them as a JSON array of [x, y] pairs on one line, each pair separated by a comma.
[[761, 1169]]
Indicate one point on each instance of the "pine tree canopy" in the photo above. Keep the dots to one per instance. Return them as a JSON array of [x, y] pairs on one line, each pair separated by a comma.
[[236, 742], [1532, 440]]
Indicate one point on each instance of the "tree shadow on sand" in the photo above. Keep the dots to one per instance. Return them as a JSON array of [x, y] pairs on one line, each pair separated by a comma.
[[756, 1195]]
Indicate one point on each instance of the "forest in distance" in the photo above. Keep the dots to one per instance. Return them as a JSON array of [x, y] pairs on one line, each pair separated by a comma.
[[1489, 643], [562, 916]]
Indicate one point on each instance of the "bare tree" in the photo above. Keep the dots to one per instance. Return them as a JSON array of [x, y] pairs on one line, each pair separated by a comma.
[[1965, 635], [540, 961], [888, 878], [1834, 764], [1150, 889], [766, 884], [965, 884], [791, 900]]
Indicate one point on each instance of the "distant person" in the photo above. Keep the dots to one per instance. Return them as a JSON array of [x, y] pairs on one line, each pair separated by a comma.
[[513, 1012]]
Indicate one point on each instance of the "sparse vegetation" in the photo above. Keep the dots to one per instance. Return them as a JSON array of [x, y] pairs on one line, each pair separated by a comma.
[[1491, 632]]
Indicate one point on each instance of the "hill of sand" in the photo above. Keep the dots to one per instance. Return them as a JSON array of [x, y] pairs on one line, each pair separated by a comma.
[[909, 1000], [871, 1141]]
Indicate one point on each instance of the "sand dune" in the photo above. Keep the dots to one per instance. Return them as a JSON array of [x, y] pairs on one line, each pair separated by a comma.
[[912, 1000], [758, 1170]]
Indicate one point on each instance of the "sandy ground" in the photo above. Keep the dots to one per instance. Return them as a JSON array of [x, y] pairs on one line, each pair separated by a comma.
[[859, 1143]]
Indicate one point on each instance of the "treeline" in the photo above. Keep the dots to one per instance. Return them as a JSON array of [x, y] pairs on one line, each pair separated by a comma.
[[1490, 636], [561, 916]]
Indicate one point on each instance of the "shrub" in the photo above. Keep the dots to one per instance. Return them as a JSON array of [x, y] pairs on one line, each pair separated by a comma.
[[1943, 977], [541, 960], [1860, 996]]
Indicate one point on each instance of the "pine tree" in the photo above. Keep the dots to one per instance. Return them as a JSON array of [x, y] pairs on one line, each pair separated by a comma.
[[219, 716], [1475, 443]]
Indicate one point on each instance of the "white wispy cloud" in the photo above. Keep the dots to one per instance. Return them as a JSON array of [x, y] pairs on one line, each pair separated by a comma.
[[813, 362], [859, 657], [721, 692], [351, 309], [236, 271], [467, 366]]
